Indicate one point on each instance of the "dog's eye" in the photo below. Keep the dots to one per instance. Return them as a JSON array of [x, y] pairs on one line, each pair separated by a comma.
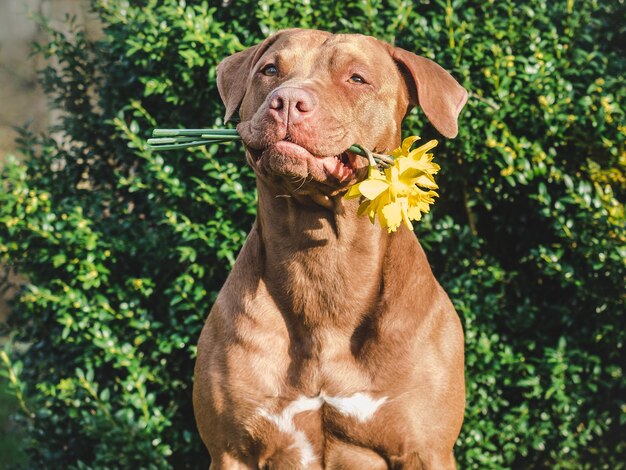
[[356, 78], [269, 70]]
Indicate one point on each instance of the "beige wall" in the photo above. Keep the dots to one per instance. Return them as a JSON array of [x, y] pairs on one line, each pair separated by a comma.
[[21, 99]]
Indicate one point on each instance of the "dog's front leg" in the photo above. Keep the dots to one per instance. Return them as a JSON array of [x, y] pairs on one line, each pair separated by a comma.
[[423, 461]]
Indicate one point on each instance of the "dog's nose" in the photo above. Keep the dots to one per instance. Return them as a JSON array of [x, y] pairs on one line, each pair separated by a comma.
[[291, 105]]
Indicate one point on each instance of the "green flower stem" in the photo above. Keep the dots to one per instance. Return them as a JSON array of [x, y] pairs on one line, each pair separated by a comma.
[[181, 145], [193, 132], [221, 136], [385, 160], [374, 158], [173, 139]]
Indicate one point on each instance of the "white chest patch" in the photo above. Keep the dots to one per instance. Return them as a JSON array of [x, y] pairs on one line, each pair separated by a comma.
[[360, 406], [284, 422]]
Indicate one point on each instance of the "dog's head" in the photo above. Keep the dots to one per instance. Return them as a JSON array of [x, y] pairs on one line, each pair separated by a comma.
[[304, 97]]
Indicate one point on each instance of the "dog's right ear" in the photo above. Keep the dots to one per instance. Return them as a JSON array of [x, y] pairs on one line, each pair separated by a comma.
[[233, 73]]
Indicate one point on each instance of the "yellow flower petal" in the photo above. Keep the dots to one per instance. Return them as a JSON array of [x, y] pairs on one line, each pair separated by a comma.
[[422, 149], [405, 213], [375, 173], [426, 181], [393, 178], [405, 147], [405, 164], [353, 191], [392, 214], [414, 213], [408, 142], [371, 189]]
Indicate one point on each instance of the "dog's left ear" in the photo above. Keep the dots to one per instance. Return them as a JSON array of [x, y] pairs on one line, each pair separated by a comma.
[[233, 73], [433, 89]]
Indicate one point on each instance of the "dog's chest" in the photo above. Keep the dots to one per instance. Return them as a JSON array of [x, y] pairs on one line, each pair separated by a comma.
[[306, 424], [325, 395]]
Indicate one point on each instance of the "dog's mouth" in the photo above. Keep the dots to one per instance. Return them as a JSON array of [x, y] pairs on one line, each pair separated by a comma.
[[341, 166], [287, 155]]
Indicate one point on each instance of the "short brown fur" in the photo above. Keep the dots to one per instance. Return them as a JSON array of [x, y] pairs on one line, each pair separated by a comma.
[[320, 301]]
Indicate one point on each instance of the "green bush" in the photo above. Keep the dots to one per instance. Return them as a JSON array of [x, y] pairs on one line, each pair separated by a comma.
[[124, 249]]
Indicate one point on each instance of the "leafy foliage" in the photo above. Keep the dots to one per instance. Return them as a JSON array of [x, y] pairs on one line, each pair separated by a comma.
[[124, 249]]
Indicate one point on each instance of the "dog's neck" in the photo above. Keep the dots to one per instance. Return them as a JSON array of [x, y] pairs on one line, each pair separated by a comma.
[[322, 262]]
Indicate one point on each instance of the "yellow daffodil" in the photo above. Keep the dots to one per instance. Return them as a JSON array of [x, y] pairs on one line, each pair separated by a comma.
[[393, 194]]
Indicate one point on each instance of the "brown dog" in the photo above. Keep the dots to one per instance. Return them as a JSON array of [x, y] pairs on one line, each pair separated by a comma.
[[331, 345]]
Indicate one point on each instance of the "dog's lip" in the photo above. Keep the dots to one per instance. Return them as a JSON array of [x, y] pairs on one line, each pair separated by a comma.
[[291, 148], [341, 166]]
